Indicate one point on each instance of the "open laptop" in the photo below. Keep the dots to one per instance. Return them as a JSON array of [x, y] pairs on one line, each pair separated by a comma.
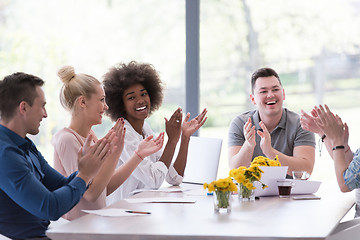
[[203, 160]]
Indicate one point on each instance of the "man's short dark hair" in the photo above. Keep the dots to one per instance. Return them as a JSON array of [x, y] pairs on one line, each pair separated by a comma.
[[16, 88], [263, 72]]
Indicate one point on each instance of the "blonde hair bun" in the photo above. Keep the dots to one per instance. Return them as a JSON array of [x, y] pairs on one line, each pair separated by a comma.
[[66, 73]]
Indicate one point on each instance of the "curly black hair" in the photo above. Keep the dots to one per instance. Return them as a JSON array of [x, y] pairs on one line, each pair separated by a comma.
[[122, 76]]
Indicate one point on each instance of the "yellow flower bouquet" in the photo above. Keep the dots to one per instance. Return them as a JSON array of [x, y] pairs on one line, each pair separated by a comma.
[[223, 189], [264, 161], [247, 176]]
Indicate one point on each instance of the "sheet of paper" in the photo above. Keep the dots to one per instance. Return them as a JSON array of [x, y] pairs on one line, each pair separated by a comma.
[[305, 187], [160, 200], [196, 192], [166, 190], [114, 212]]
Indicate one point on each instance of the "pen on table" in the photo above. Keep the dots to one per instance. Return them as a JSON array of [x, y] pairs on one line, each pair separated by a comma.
[[140, 212]]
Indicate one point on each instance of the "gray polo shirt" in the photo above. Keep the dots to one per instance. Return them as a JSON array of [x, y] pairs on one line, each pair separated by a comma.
[[287, 134]]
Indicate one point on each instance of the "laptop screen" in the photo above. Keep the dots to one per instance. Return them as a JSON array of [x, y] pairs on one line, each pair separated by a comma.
[[203, 160]]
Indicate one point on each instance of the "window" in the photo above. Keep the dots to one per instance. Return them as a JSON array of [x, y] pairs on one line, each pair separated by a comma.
[[316, 53]]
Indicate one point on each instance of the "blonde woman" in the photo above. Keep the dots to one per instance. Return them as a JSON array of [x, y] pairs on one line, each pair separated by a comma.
[[83, 96]]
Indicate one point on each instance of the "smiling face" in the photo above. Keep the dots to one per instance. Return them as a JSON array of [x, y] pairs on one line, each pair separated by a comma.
[[137, 103], [35, 113], [268, 96], [96, 105]]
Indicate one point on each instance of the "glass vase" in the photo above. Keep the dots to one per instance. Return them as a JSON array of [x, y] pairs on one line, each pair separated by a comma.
[[222, 201], [246, 194]]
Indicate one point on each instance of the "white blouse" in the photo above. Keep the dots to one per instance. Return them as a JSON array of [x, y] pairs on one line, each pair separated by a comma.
[[149, 174]]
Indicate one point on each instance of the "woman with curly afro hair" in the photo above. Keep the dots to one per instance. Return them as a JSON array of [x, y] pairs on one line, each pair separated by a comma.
[[133, 91]]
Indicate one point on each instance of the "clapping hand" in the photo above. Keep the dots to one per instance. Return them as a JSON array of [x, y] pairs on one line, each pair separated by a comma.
[[189, 127], [265, 142], [173, 126], [149, 145], [119, 132], [91, 158], [331, 125], [308, 123], [250, 133]]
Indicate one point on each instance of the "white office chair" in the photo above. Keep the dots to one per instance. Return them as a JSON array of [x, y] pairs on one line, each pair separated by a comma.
[[203, 160], [348, 230]]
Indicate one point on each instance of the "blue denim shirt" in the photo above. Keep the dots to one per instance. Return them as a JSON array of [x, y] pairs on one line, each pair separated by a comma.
[[31, 191], [352, 174]]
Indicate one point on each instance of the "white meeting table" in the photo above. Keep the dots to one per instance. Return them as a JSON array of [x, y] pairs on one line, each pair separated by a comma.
[[266, 218]]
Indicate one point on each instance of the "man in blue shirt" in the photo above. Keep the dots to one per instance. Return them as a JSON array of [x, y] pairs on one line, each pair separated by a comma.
[[31, 192]]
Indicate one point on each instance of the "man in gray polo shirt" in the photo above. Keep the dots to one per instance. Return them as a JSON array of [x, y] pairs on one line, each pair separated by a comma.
[[270, 130]]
